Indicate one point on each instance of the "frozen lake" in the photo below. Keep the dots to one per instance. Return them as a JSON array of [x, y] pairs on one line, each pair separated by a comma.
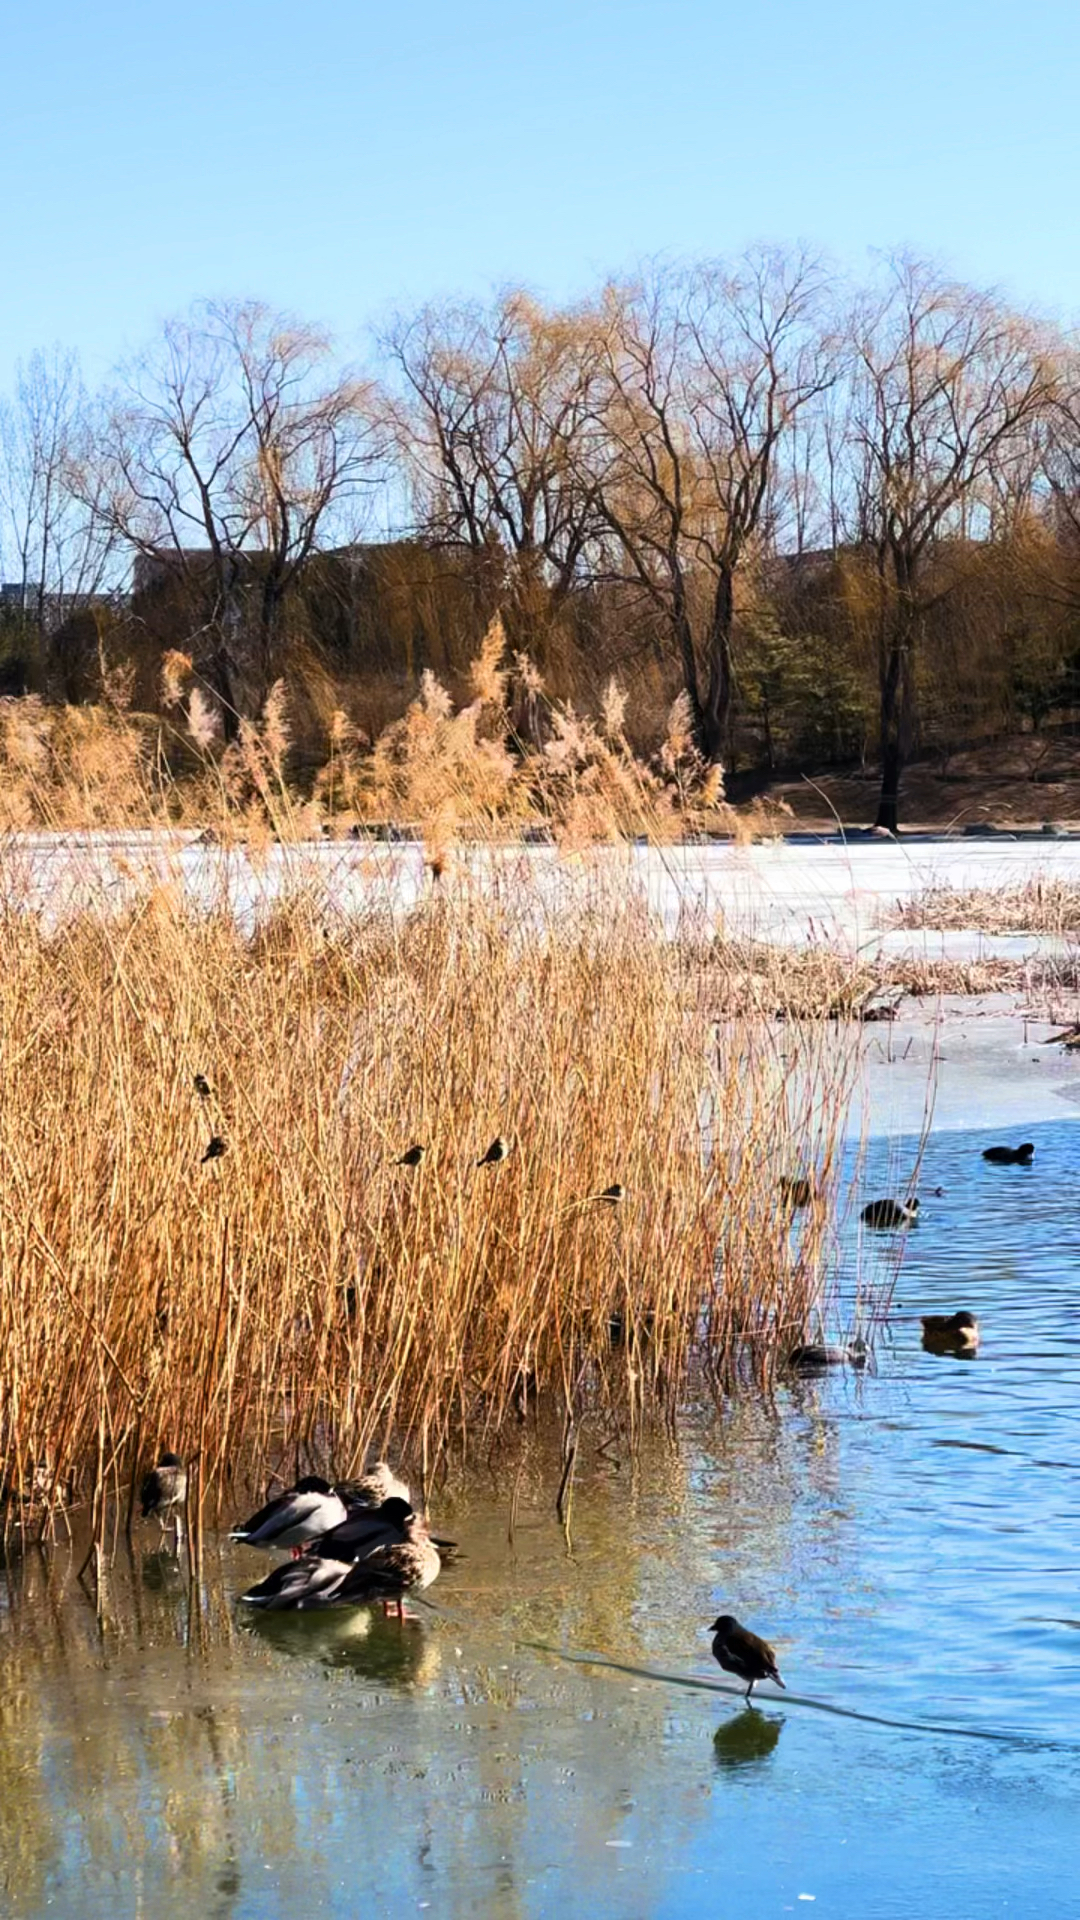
[[786, 891]]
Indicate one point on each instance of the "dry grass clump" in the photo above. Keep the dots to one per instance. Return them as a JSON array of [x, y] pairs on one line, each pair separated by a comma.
[[303, 1297], [823, 983], [1039, 905]]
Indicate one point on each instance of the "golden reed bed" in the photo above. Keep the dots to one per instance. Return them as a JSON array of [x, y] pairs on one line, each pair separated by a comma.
[[301, 1297]]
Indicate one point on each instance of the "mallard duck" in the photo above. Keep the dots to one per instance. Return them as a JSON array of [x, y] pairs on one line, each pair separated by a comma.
[[164, 1491], [366, 1528], [389, 1573], [377, 1485], [811, 1356], [308, 1581], [741, 1652], [950, 1332], [295, 1518], [363, 1529], [1021, 1156], [888, 1214]]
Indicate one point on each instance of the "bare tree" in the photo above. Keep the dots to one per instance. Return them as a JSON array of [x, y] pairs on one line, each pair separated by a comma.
[[232, 450], [496, 401], [947, 386], [707, 373], [54, 548]]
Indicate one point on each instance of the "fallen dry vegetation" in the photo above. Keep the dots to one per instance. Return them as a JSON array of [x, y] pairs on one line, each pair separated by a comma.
[[1039, 905], [303, 1298]]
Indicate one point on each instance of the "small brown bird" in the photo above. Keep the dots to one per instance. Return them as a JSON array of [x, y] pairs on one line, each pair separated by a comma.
[[215, 1149], [1021, 1156], [611, 1196], [497, 1151], [164, 1491], [950, 1332], [412, 1156], [741, 1652], [202, 1086], [797, 1192], [887, 1215]]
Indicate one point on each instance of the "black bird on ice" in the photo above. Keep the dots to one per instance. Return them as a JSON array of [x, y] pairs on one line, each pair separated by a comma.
[[741, 1652]]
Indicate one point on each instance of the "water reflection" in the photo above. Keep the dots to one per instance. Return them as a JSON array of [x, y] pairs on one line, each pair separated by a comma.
[[746, 1740]]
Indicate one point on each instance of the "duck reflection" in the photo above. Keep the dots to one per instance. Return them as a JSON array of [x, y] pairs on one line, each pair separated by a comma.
[[746, 1740], [356, 1638]]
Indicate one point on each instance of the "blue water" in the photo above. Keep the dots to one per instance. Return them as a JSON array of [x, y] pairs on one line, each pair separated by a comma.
[[907, 1538]]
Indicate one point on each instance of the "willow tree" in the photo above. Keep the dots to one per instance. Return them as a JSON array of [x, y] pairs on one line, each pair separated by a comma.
[[707, 374], [233, 448], [948, 386], [494, 401]]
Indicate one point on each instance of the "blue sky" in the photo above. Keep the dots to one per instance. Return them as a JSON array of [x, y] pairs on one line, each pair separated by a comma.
[[339, 159]]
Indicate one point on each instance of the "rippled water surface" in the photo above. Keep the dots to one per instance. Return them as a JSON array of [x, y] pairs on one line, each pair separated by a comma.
[[907, 1537]]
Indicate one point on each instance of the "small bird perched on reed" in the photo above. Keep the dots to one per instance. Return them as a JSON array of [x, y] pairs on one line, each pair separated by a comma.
[[202, 1086], [412, 1156], [216, 1147], [888, 1214], [741, 1652], [163, 1492], [611, 1196], [497, 1151], [1021, 1156], [955, 1333]]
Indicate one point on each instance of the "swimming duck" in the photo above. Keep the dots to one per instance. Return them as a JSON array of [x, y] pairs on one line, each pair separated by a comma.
[[950, 1332], [889, 1214], [741, 1652], [295, 1518], [164, 1491], [1011, 1156], [809, 1357]]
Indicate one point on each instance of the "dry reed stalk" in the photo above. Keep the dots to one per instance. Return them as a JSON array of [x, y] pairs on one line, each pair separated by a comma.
[[302, 1297]]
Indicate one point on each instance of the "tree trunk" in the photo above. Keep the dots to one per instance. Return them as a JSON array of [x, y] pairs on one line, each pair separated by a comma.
[[716, 714], [896, 711]]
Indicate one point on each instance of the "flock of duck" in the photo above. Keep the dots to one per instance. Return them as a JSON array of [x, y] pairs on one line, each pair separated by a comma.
[[955, 1334], [362, 1542]]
